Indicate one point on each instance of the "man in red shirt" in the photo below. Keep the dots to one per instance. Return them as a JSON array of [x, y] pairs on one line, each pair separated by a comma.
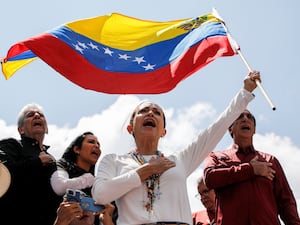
[[207, 197], [250, 185]]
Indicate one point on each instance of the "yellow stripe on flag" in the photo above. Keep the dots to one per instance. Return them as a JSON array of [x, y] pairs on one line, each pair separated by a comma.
[[10, 67], [128, 33]]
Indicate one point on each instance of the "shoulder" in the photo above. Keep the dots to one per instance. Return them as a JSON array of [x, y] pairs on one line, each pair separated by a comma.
[[200, 216], [10, 149], [114, 160], [200, 213], [219, 157], [223, 154], [62, 164], [266, 156], [10, 143], [69, 167], [113, 156]]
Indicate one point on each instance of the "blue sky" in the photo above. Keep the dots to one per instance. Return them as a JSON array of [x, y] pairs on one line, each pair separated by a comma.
[[267, 31]]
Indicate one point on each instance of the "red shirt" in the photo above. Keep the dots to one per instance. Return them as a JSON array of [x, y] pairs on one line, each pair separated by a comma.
[[201, 218], [244, 198]]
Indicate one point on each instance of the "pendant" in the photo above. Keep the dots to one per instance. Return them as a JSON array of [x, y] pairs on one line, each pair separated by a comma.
[[158, 193]]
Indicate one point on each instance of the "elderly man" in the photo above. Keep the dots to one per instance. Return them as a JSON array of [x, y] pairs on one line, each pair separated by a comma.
[[207, 197], [29, 199]]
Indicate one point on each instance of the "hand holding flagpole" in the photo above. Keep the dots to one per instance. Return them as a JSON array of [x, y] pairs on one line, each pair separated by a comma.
[[236, 47]]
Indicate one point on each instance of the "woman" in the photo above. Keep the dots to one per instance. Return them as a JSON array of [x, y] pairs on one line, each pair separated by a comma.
[[75, 170], [148, 187]]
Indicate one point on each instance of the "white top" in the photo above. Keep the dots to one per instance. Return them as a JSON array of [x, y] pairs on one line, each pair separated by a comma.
[[117, 179], [60, 181]]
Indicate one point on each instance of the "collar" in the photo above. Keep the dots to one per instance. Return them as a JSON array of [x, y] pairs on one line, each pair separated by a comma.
[[33, 142], [245, 150]]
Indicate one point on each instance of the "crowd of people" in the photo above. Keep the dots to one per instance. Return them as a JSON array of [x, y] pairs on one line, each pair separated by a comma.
[[240, 185]]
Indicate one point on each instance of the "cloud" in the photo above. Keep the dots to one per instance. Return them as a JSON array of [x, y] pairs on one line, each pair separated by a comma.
[[183, 125]]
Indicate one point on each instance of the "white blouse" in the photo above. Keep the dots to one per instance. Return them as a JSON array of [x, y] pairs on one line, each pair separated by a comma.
[[118, 180]]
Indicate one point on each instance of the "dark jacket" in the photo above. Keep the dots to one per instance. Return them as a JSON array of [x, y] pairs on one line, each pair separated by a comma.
[[30, 198]]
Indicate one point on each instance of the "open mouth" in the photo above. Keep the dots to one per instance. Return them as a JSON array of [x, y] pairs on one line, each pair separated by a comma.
[[149, 123], [245, 127], [37, 123], [96, 153]]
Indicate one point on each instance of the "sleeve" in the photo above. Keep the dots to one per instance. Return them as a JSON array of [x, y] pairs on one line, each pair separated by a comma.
[[220, 171], [109, 185], [207, 140], [286, 202], [60, 181]]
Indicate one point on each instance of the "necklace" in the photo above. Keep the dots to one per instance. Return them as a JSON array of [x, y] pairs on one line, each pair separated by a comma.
[[150, 183]]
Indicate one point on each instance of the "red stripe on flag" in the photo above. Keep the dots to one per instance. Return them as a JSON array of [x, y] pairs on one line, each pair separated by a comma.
[[77, 69]]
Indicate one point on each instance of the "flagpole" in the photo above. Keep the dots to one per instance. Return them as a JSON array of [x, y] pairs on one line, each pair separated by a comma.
[[257, 81], [236, 47]]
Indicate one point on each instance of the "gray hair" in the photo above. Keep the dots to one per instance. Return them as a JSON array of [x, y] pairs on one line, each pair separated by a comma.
[[27, 108]]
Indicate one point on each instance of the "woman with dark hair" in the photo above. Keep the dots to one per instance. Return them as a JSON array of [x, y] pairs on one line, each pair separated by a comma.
[[76, 166], [75, 169], [148, 186]]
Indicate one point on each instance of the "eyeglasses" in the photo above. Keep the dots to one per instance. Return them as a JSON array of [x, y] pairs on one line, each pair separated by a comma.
[[204, 192]]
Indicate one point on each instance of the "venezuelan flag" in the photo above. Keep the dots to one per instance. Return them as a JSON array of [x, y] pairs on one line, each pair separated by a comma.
[[124, 55]]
